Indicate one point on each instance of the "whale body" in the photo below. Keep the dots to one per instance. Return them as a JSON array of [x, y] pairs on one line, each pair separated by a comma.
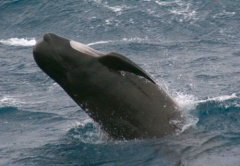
[[110, 88]]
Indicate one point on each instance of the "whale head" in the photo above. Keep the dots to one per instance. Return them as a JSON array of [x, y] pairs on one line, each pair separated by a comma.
[[56, 56]]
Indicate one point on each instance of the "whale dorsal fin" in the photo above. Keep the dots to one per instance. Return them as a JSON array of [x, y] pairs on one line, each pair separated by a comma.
[[119, 62]]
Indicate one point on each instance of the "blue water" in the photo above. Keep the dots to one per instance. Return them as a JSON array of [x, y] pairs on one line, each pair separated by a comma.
[[191, 47]]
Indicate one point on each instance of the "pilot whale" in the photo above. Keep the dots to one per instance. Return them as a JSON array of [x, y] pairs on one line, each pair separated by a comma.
[[114, 91]]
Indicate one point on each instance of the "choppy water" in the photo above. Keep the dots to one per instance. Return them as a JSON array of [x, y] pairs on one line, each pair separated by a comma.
[[191, 47]]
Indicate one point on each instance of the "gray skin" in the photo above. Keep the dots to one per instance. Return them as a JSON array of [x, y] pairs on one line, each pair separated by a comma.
[[110, 88]]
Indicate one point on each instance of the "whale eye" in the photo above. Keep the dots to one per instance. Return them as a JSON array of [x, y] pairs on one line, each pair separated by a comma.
[[82, 48]]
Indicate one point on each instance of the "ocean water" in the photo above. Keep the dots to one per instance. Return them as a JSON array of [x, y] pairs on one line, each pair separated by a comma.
[[191, 47]]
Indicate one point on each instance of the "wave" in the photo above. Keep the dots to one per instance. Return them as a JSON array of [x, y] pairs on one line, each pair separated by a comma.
[[17, 101], [88, 132], [219, 98], [10, 101], [25, 42], [124, 40], [181, 10], [189, 103], [118, 9]]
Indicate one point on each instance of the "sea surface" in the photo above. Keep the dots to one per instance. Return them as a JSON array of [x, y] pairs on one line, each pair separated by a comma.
[[191, 47]]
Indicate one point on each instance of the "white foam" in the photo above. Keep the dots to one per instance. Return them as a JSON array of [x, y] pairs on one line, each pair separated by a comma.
[[180, 8], [185, 12], [77, 123], [219, 98], [224, 13], [116, 9], [25, 42], [97, 136], [123, 40], [10, 101], [164, 3], [189, 102], [17, 101], [185, 101], [135, 39], [83, 123]]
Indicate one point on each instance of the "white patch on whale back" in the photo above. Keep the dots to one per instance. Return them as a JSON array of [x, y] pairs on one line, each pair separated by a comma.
[[85, 49]]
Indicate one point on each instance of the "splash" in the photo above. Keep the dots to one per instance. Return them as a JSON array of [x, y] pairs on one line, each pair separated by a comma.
[[25, 42], [219, 98], [87, 131], [188, 103]]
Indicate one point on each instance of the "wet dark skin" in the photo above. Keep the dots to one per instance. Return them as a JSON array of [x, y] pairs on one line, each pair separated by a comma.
[[110, 88]]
